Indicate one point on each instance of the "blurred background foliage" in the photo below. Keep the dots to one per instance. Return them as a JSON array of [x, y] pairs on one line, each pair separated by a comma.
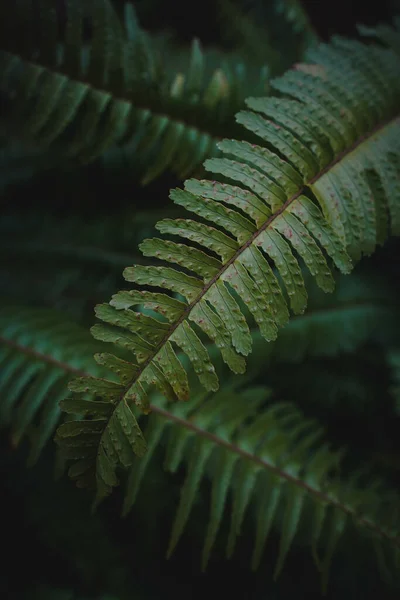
[[67, 232]]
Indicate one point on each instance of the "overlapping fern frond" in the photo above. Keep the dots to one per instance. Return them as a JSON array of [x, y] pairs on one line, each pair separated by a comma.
[[272, 461], [268, 460], [322, 186], [325, 182], [95, 83], [39, 344]]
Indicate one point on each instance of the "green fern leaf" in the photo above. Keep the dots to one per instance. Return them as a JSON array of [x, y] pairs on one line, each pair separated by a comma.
[[290, 223], [255, 262]]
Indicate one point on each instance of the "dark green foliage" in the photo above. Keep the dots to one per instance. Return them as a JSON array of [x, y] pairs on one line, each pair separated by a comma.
[[39, 351], [85, 96], [57, 594], [236, 409], [276, 459], [264, 37], [80, 259]]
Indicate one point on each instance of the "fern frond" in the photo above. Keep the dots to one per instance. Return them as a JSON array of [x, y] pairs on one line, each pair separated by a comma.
[[82, 100], [335, 145], [237, 437], [39, 351], [269, 460]]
